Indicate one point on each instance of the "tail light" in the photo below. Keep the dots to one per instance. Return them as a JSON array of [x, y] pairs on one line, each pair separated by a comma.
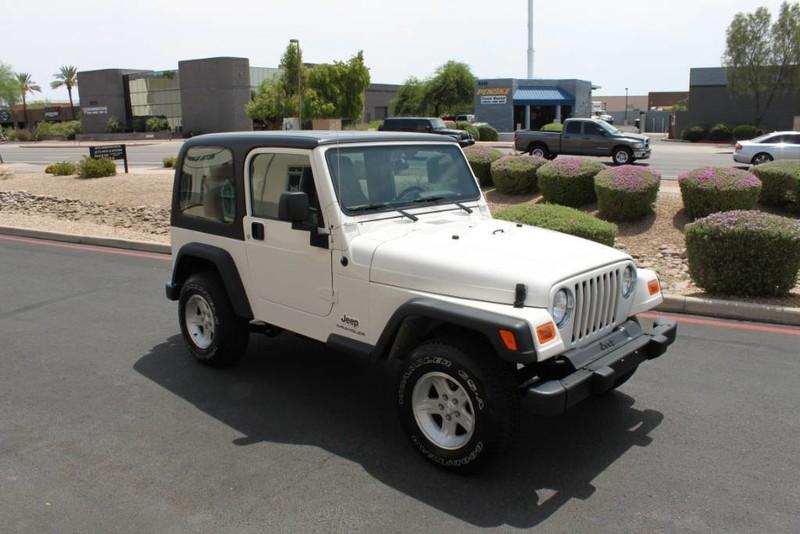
[[738, 147]]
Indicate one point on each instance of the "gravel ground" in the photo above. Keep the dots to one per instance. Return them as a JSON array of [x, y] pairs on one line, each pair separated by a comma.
[[136, 206]]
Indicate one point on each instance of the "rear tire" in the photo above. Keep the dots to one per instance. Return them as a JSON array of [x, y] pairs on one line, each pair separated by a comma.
[[761, 157], [539, 151], [458, 402], [212, 332]]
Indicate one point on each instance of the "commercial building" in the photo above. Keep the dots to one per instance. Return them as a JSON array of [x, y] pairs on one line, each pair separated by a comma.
[[510, 104], [200, 96], [50, 112]]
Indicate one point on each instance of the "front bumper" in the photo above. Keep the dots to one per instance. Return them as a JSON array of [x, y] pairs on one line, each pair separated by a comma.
[[642, 153], [596, 367]]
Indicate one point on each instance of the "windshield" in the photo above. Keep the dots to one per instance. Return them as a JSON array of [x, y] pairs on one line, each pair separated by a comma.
[[438, 124], [375, 178], [606, 126]]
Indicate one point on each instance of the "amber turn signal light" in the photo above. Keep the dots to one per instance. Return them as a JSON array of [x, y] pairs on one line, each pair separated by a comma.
[[508, 339], [653, 287], [546, 333]]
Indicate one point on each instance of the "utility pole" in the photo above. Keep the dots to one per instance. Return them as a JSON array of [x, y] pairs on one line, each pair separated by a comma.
[[625, 121], [299, 82], [530, 60]]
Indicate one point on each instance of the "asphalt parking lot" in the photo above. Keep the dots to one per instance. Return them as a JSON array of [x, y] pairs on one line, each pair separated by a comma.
[[108, 426]]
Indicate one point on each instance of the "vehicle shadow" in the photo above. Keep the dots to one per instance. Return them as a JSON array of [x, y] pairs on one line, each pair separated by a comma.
[[290, 390]]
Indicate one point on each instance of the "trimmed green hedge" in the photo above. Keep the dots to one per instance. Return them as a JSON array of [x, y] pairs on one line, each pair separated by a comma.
[[744, 253], [720, 132], [627, 192], [61, 168], [480, 158], [68, 129], [467, 127], [553, 127], [745, 131], [780, 184], [694, 133], [516, 175], [96, 168], [487, 132], [569, 181], [561, 219], [712, 189]]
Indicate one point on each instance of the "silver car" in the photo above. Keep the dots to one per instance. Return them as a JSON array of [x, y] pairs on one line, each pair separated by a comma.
[[768, 147]]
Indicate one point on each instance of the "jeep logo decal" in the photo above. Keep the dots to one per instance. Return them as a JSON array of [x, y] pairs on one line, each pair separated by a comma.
[[349, 321]]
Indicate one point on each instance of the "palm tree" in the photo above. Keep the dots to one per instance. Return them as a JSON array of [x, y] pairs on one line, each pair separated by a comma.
[[26, 85], [68, 77]]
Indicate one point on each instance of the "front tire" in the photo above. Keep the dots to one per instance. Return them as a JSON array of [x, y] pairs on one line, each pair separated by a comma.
[[458, 403], [212, 332], [622, 156]]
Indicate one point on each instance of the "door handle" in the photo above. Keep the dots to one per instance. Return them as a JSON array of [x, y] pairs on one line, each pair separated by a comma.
[[257, 231]]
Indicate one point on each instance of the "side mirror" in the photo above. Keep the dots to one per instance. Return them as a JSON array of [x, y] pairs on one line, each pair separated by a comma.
[[293, 206]]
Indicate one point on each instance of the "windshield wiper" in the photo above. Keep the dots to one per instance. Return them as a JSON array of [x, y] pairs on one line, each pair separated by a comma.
[[379, 205], [438, 198]]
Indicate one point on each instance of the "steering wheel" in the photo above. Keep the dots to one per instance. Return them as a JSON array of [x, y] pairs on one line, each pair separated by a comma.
[[409, 190]]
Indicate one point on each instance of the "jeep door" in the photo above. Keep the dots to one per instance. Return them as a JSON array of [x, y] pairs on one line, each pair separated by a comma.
[[290, 263]]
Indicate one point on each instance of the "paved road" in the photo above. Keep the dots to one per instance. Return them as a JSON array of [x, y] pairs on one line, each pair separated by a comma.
[[669, 158], [107, 425]]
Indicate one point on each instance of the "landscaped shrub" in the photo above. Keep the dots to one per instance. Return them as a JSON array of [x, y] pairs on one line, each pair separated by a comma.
[[169, 162], [61, 168], [113, 125], [21, 135], [780, 183], [467, 127], [96, 168], [487, 132], [68, 129], [627, 192], [711, 189], [744, 253], [480, 158], [561, 219], [553, 127], [156, 124], [516, 175], [694, 133], [720, 132], [569, 181], [745, 131]]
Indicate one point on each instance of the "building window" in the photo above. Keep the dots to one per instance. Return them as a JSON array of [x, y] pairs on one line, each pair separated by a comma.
[[207, 188], [155, 94]]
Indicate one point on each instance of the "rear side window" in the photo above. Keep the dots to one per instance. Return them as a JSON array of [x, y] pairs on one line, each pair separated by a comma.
[[573, 127], [207, 188]]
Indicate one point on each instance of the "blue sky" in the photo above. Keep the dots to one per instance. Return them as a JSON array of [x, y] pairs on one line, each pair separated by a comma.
[[645, 45]]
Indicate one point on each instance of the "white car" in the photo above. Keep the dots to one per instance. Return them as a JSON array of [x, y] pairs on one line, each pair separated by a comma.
[[381, 245], [768, 147]]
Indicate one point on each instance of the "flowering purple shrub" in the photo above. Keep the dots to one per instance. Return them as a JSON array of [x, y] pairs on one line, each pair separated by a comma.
[[744, 252], [569, 181], [627, 192], [480, 158], [711, 189], [516, 175]]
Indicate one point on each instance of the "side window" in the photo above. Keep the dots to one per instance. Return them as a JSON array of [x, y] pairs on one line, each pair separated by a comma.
[[590, 128], [423, 125], [207, 189], [794, 139], [271, 175], [573, 127]]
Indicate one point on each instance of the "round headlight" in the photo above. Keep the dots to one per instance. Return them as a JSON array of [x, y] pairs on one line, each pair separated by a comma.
[[628, 281], [562, 306]]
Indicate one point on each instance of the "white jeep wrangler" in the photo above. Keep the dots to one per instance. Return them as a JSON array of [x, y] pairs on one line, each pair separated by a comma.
[[381, 245]]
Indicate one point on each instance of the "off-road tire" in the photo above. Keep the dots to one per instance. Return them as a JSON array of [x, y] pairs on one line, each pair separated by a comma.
[[489, 383], [230, 333]]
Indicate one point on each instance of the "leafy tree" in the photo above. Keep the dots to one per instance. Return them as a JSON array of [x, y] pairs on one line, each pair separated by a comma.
[[67, 76], [269, 105], [451, 89], [762, 57], [354, 82], [410, 99], [9, 87], [26, 85], [291, 63]]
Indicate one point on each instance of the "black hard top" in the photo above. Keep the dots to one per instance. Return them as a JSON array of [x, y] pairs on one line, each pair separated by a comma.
[[307, 139]]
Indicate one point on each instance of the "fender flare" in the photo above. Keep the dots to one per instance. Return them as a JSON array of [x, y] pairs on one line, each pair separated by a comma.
[[225, 266]]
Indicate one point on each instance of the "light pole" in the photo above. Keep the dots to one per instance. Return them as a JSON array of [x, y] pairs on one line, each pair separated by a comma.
[[625, 121], [299, 82]]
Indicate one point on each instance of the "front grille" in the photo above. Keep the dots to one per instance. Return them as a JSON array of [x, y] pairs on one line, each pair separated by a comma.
[[596, 301]]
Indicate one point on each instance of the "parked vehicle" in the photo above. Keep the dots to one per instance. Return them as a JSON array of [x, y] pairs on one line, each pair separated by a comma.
[[768, 147], [604, 116], [585, 137], [381, 245], [465, 118], [432, 125]]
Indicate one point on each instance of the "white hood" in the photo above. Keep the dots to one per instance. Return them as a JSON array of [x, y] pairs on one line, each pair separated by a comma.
[[484, 259]]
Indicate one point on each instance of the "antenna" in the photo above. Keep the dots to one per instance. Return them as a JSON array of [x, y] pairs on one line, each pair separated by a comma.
[[530, 39]]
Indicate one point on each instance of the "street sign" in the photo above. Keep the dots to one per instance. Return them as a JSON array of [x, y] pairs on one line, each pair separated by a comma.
[[5, 115], [113, 152]]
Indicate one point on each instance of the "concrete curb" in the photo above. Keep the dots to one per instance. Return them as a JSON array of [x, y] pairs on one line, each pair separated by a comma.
[[722, 309], [731, 309], [112, 242]]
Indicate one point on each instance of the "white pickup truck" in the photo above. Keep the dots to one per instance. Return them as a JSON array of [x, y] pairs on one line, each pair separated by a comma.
[[381, 245]]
